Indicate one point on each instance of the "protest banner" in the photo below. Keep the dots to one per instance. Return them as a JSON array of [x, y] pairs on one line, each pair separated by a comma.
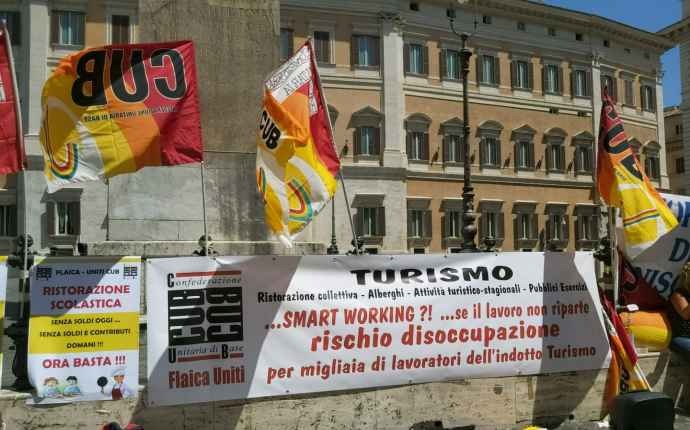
[[84, 328], [243, 327], [661, 264]]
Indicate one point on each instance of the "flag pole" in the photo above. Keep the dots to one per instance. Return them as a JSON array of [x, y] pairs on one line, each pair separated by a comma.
[[22, 176], [340, 169], [203, 207], [612, 214]]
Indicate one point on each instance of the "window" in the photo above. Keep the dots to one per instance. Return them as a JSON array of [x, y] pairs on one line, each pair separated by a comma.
[[627, 51], [488, 70], [119, 29], [63, 218], [555, 152], [450, 65], [67, 28], [371, 222], [286, 43], [417, 146], [648, 97], [453, 224], [552, 79], [524, 154], [453, 151], [651, 164], [521, 26], [629, 94], [486, 19], [490, 221], [418, 224], [586, 227], [557, 230], [584, 159], [521, 74], [680, 165], [578, 37], [416, 59], [367, 141], [610, 84], [365, 51], [414, 6], [490, 145], [679, 129], [551, 32], [13, 20], [322, 46], [525, 222], [580, 83], [8, 220], [491, 152], [606, 43]]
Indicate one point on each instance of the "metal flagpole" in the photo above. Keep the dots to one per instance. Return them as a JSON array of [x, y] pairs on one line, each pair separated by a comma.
[[613, 213], [340, 171], [25, 205], [203, 207]]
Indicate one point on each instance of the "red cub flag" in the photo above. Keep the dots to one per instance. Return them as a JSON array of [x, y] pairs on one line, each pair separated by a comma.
[[12, 158]]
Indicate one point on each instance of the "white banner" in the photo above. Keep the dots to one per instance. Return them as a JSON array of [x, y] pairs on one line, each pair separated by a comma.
[[661, 264], [242, 327], [84, 328]]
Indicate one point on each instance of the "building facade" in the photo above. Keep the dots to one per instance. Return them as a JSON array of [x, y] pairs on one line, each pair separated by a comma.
[[675, 150], [391, 75], [392, 80]]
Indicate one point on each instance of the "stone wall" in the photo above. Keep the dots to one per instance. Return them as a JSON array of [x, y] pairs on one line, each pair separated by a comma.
[[491, 403]]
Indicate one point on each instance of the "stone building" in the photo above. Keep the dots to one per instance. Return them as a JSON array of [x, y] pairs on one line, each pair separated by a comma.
[[391, 72], [677, 177]]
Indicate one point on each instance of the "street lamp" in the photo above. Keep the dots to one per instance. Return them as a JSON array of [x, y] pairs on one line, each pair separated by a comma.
[[469, 229], [333, 249]]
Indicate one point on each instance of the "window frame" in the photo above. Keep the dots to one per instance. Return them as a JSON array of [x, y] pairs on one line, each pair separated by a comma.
[[366, 117], [490, 136], [111, 27], [14, 25], [555, 153], [424, 58], [491, 215], [680, 165], [557, 220], [291, 43], [9, 217], [365, 214], [652, 162], [583, 146], [648, 98], [56, 28], [356, 49], [586, 222], [580, 77], [330, 61], [557, 89], [445, 75]]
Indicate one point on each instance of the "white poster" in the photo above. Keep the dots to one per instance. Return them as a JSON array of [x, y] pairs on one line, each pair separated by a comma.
[[661, 264], [242, 327], [84, 328]]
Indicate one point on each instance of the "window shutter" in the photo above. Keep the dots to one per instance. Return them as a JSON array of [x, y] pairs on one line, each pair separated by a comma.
[[482, 227], [498, 153], [614, 89], [357, 220], [594, 226], [408, 143], [534, 220], [425, 60], [497, 70], [443, 53], [425, 146], [50, 218], [357, 140], [326, 47], [559, 84], [566, 229], [427, 224], [406, 56], [446, 143], [482, 152], [643, 99], [543, 79], [381, 221], [410, 224], [377, 141], [500, 227], [55, 27], [513, 74], [354, 50], [517, 230], [572, 83], [376, 41], [530, 75], [530, 155], [578, 229], [588, 84], [653, 100], [75, 217], [561, 157], [478, 62]]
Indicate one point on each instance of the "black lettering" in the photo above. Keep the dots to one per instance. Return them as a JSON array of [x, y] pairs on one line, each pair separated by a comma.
[[178, 67], [361, 275], [407, 274], [481, 272], [502, 273], [141, 85], [93, 77]]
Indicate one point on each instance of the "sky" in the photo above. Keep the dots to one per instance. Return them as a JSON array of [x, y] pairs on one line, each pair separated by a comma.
[[644, 14]]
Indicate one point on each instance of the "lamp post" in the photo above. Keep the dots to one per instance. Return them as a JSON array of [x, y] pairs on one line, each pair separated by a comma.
[[469, 229], [333, 249]]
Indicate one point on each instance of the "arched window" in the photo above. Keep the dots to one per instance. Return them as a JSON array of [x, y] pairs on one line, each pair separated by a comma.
[[417, 127], [453, 150], [523, 138], [651, 161], [584, 155], [367, 125], [554, 138], [490, 144]]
